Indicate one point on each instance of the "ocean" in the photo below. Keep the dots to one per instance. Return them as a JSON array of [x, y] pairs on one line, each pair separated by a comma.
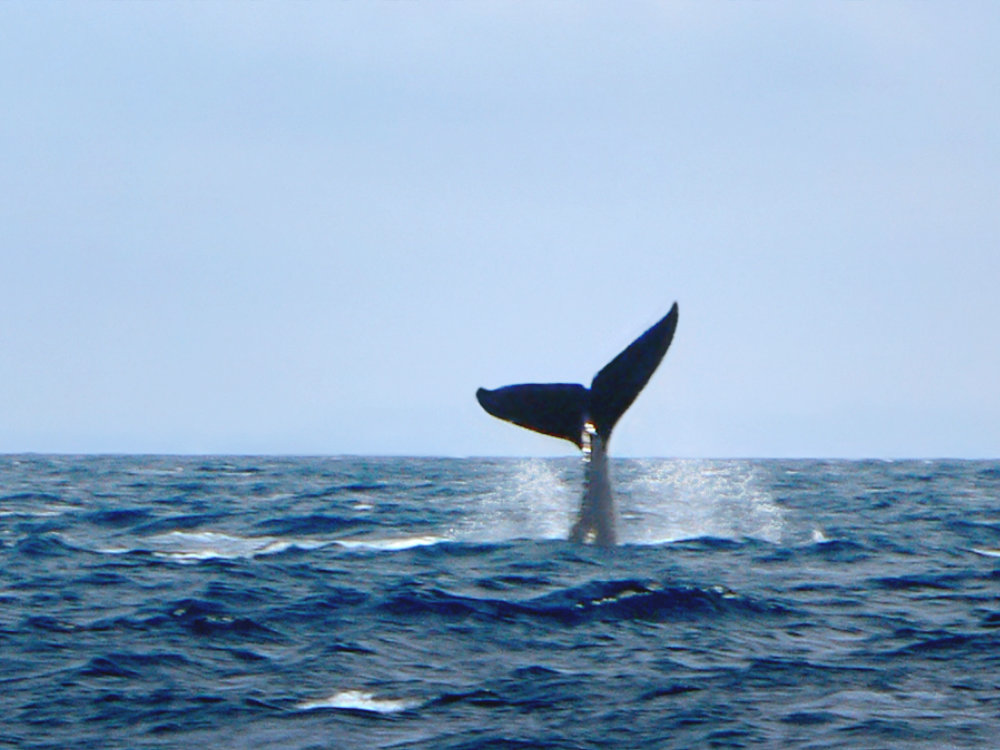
[[352, 602]]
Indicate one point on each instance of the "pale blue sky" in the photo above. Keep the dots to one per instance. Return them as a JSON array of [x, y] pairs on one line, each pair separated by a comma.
[[319, 227]]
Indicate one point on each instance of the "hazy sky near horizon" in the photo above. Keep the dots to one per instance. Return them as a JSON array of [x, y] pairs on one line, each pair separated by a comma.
[[319, 227]]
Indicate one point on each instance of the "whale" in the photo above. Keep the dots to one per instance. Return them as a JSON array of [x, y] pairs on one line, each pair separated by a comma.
[[586, 417]]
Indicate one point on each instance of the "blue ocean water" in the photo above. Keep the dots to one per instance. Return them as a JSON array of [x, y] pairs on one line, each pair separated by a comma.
[[165, 602]]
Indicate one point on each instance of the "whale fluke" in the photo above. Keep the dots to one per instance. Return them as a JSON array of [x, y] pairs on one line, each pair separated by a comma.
[[618, 383], [562, 409], [555, 409]]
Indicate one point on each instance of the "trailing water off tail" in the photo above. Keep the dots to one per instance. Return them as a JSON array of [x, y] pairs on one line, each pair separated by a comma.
[[586, 417]]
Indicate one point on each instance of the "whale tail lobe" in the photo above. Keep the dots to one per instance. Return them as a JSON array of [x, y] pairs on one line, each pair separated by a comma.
[[563, 409]]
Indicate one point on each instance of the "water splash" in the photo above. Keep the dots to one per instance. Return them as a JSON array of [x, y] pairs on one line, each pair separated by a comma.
[[195, 546], [530, 500], [390, 544], [658, 501], [665, 501]]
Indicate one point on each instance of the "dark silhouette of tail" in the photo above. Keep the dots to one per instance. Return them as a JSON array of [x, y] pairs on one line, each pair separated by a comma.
[[562, 409]]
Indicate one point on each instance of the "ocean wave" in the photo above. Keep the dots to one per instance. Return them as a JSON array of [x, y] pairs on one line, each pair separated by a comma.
[[131, 665], [943, 582], [944, 645], [624, 600], [838, 550], [206, 618], [31, 505], [45, 545], [144, 616]]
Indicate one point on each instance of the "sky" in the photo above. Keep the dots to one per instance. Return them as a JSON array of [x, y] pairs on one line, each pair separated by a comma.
[[318, 228]]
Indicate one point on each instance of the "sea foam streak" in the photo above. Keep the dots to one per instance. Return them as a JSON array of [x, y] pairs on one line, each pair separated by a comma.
[[360, 700], [193, 546], [391, 544]]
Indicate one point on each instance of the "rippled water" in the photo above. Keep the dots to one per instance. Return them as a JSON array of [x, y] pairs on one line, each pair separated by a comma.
[[432, 603]]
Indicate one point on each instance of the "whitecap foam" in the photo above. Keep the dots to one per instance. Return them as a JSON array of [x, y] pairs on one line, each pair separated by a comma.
[[193, 546], [986, 552], [360, 700], [391, 544]]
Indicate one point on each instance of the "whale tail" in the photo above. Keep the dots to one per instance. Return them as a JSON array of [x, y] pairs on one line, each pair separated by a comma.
[[563, 409]]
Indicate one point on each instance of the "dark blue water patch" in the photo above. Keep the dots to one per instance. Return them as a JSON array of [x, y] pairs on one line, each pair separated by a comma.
[[992, 620], [529, 689], [314, 523], [211, 620], [48, 624], [777, 673], [247, 655], [131, 665], [358, 487], [45, 546], [476, 697], [833, 550], [810, 718], [990, 472], [919, 582], [224, 595], [973, 532], [320, 608], [417, 603], [34, 526], [118, 517], [709, 543], [626, 600], [838, 550], [946, 646], [124, 624], [144, 716], [181, 522], [889, 732], [340, 648], [450, 552], [551, 741], [610, 601], [230, 469], [669, 691], [104, 577], [513, 582]]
